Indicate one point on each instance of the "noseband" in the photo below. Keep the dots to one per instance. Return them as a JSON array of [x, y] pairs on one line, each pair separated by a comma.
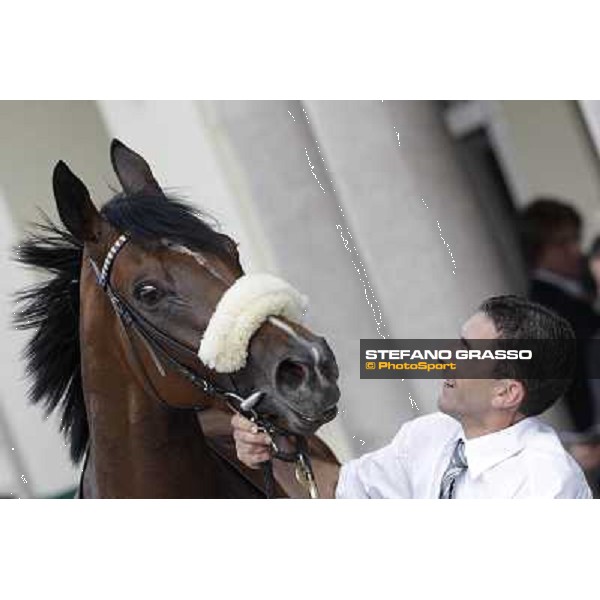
[[158, 343]]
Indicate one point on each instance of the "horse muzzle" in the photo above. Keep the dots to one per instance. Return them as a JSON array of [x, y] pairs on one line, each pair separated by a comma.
[[254, 335]]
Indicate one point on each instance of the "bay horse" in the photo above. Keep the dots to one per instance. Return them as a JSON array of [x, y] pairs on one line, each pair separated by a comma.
[[117, 326]]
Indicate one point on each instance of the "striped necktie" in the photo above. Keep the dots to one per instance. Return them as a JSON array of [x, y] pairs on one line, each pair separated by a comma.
[[456, 466]]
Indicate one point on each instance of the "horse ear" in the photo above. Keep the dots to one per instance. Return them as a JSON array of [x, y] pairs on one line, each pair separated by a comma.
[[133, 171], [75, 207]]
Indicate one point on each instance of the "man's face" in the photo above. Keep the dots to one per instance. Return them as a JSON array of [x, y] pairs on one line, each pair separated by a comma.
[[471, 398], [562, 254]]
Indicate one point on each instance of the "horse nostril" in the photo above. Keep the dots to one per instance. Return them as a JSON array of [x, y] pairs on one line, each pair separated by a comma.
[[290, 375]]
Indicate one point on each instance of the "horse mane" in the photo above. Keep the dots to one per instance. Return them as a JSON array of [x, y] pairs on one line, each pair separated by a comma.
[[51, 308]]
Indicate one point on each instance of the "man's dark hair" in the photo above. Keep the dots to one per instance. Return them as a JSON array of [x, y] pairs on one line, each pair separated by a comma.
[[540, 223], [548, 375]]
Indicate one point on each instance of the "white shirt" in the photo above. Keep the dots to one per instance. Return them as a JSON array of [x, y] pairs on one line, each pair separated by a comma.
[[526, 460]]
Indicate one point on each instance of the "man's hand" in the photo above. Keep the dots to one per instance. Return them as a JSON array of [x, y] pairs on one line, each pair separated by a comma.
[[252, 446]]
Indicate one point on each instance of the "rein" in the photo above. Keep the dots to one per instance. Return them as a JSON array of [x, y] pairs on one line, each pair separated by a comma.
[[158, 342]]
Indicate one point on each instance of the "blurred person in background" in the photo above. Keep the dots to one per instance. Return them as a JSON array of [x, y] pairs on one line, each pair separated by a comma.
[[588, 455], [591, 278], [551, 236]]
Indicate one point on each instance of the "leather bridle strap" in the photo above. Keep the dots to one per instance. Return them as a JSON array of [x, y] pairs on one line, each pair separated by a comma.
[[154, 338]]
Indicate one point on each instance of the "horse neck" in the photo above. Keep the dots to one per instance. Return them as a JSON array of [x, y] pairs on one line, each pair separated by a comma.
[[139, 448]]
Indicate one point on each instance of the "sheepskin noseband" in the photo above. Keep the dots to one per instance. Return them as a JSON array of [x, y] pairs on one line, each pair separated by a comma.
[[242, 309]]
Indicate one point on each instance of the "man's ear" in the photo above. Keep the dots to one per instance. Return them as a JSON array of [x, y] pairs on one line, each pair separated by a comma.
[[75, 207], [133, 171], [509, 394]]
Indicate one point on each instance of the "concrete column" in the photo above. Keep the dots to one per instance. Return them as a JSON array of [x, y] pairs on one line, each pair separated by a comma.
[[417, 223], [33, 458], [277, 153], [35, 135]]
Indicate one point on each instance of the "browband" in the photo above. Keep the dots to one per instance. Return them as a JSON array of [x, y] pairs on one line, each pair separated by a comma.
[[104, 274]]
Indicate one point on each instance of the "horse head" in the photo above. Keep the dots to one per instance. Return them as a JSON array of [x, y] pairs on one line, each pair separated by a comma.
[[175, 276]]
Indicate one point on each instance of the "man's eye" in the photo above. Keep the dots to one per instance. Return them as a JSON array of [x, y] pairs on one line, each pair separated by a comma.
[[148, 294]]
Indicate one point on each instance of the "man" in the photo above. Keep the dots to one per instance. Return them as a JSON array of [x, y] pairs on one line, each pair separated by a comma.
[[551, 236], [486, 442]]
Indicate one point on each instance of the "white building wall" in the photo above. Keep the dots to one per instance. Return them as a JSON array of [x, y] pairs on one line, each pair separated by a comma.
[[33, 137]]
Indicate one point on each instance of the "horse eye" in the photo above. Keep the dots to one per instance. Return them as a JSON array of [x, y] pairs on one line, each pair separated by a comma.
[[148, 294]]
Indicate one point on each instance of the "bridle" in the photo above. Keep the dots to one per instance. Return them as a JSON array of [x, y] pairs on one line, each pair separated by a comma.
[[155, 339], [159, 345]]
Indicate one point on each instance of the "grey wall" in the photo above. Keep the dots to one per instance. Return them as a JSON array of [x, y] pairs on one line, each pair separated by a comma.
[[33, 136]]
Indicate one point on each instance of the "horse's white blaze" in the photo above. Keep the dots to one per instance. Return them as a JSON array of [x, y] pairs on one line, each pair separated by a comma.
[[317, 358], [242, 309], [203, 262], [279, 323]]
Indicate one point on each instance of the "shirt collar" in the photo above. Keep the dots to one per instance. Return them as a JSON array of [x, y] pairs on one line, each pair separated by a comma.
[[569, 286], [486, 451]]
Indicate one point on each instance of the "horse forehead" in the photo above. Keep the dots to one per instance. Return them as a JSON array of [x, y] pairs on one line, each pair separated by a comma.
[[203, 261]]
